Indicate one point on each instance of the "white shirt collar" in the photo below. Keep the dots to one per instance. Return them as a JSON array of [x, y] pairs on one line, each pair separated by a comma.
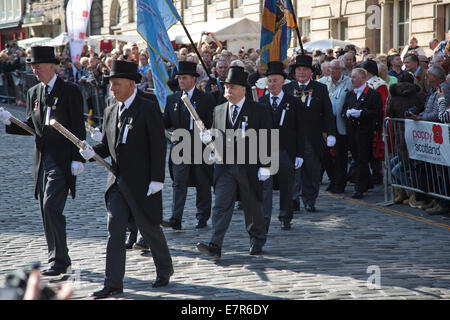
[[50, 84], [190, 92], [280, 97], [360, 90], [305, 84], [239, 107], [129, 101]]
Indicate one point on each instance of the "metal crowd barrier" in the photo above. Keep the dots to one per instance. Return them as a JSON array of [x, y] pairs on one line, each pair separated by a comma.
[[93, 100], [403, 172]]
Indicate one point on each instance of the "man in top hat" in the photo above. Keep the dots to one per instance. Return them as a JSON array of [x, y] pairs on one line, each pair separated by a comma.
[[176, 116], [287, 112], [133, 136], [378, 84], [236, 173], [319, 122], [56, 159], [361, 108]]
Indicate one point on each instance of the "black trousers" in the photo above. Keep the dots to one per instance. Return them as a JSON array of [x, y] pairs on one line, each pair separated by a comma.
[[341, 161], [120, 206], [361, 148], [52, 194]]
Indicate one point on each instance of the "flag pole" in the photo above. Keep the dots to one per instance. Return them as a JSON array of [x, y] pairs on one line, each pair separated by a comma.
[[196, 51], [296, 27]]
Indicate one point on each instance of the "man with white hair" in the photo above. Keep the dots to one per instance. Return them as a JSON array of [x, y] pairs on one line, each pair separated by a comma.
[[338, 85], [259, 73]]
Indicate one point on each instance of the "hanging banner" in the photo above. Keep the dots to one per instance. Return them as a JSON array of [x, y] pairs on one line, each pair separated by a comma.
[[428, 141], [77, 17]]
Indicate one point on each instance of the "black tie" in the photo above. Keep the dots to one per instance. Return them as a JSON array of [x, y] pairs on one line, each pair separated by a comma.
[[122, 114], [274, 103], [302, 87], [234, 113]]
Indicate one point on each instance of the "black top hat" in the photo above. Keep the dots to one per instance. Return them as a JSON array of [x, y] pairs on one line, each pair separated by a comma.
[[303, 60], [42, 54], [187, 67], [125, 70], [237, 75], [370, 66], [276, 67]]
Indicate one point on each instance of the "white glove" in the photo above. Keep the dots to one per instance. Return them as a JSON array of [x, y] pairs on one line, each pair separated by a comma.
[[349, 113], [205, 136], [87, 153], [76, 167], [97, 135], [298, 162], [4, 116], [331, 141], [263, 174], [154, 187], [356, 113]]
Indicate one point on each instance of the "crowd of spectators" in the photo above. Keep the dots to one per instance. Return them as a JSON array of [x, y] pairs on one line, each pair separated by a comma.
[[418, 84]]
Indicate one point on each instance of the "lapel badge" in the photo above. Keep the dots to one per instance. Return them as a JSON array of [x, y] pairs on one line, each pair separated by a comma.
[[287, 107], [54, 103], [303, 97], [36, 105]]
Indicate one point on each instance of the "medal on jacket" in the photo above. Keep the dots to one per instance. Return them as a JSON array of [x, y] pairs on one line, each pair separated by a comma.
[[36, 105], [303, 97]]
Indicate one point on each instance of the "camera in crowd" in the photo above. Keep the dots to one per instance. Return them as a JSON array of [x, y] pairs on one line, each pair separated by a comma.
[[16, 285], [412, 110]]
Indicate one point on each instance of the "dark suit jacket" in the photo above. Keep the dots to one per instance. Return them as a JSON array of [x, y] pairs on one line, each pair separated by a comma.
[[177, 116], [69, 112], [142, 158], [318, 117], [258, 117], [372, 109], [292, 128]]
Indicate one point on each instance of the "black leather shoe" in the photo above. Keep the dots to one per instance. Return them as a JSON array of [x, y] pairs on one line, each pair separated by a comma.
[[51, 272], [162, 281], [172, 223], [211, 249], [310, 208], [107, 292], [295, 205], [357, 195], [201, 224], [140, 244], [337, 190], [255, 250], [285, 225]]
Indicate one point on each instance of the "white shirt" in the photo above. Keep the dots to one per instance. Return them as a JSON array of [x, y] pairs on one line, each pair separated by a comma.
[[189, 93], [280, 97], [239, 108], [305, 84], [50, 84], [360, 90], [128, 102]]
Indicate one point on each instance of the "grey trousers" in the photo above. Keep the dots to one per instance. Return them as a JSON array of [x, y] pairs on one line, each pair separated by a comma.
[[181, 174], [52, 194], [120, 206], [285, 178], [227, 185]]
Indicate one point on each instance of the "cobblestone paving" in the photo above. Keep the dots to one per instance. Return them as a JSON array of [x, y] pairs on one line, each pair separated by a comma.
[[335, 253]]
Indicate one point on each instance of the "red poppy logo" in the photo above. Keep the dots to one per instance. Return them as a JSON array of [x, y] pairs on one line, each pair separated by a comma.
[[437, 134], [85, 14]]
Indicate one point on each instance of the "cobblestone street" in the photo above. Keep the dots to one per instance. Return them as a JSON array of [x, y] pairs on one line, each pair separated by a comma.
[[335, 253]]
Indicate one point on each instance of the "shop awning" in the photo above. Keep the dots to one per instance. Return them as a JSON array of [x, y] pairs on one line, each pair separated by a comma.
[[224, 29]]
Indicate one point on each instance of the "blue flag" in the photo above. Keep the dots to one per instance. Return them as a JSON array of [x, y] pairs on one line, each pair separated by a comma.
[[276, 27], [153, 29]]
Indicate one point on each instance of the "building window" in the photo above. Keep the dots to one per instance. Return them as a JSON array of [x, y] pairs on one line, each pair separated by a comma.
[[343, 29], [118, 15], [2, 10], [305, 25], [403, 23], [187, 4], [238, 3]]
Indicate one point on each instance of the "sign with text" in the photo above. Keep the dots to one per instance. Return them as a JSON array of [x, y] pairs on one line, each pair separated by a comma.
[[428, 141], [77, 21]]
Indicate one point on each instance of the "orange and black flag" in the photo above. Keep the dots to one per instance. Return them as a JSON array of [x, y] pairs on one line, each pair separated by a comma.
[[277, 23]]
